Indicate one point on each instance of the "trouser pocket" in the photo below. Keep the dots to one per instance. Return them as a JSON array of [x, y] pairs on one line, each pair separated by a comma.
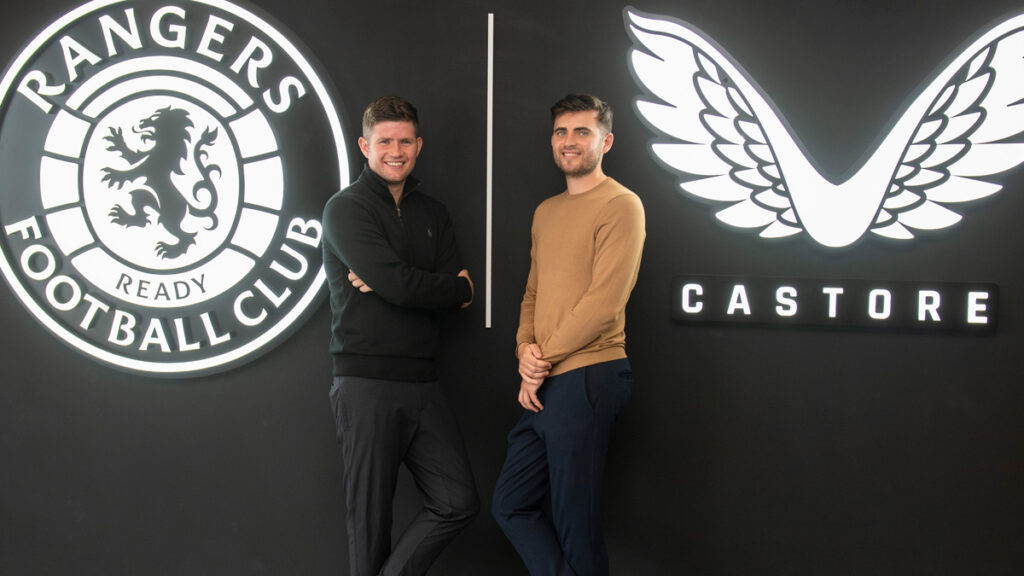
[[608, 386], [336, 407]]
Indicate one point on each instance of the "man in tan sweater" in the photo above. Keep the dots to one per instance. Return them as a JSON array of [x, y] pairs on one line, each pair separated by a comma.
[[575, 375]]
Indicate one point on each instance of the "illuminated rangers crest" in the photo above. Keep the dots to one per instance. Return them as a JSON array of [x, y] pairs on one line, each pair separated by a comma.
[[164, 170], [726, 142]]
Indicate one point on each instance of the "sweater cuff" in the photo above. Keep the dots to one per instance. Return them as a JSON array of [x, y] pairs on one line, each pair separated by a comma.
[[519, 345]]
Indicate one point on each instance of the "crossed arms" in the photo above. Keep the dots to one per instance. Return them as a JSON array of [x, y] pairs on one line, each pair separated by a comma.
[[357, 239]]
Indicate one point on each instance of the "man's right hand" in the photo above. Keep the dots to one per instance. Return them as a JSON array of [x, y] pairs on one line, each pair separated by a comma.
[[533, 369], [358, 283], [528, 397]]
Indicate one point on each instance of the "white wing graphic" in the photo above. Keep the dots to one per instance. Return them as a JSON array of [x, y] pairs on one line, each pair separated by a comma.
[[722, 136]]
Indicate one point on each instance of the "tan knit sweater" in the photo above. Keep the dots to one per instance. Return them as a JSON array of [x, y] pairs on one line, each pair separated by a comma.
[[584, 263]]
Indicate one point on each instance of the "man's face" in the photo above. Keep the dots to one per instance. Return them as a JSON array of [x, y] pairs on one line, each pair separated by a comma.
[[577, 142], [391, 150]]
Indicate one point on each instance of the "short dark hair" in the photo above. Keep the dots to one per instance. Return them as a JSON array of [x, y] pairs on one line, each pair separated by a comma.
[[576, 102], [389, 109]]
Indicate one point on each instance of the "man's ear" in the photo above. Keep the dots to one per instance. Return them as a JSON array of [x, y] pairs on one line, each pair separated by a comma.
[[364, 146], [608, 139]]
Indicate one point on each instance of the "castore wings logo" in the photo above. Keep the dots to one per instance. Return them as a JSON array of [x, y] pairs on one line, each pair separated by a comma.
[[724, 140]]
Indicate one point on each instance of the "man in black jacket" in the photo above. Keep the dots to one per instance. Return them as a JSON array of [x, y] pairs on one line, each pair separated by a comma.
[[393, 267]]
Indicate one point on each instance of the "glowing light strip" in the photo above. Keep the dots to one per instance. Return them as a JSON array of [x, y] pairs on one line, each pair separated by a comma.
[[490, 164]]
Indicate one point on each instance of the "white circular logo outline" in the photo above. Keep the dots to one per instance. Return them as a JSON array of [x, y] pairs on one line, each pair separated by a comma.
[[230, 357]]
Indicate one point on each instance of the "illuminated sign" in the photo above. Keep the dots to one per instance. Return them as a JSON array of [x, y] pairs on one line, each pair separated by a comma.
[[723, 138], [931, 306], [165, 167]]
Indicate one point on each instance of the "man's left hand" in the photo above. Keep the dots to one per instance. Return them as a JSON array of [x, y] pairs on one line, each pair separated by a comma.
[[465, 274]]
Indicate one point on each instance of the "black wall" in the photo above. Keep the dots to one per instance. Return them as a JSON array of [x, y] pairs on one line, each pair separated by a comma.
[[746, 450]]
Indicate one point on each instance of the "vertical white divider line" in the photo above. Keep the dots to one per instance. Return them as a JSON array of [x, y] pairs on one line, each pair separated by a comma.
[[490, 167]]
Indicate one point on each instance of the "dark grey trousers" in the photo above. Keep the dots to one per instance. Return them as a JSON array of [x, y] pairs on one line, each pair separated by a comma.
[[381, 424]]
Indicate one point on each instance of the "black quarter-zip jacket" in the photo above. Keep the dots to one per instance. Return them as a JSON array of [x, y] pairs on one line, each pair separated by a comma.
[[408, 256]]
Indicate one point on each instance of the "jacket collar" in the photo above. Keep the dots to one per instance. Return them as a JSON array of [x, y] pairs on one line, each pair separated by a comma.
[[379, 187]]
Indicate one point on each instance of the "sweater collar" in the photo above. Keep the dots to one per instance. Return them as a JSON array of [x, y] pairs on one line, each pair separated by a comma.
[[380, 187]]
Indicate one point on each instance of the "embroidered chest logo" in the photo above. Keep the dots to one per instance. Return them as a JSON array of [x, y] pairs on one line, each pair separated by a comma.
[[160, 206], [719, 133]]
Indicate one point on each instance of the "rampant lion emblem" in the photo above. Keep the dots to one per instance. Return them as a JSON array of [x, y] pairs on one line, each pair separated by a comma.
[[167, 129]]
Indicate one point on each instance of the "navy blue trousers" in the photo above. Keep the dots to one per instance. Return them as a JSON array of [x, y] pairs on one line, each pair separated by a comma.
[[561, 451]]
